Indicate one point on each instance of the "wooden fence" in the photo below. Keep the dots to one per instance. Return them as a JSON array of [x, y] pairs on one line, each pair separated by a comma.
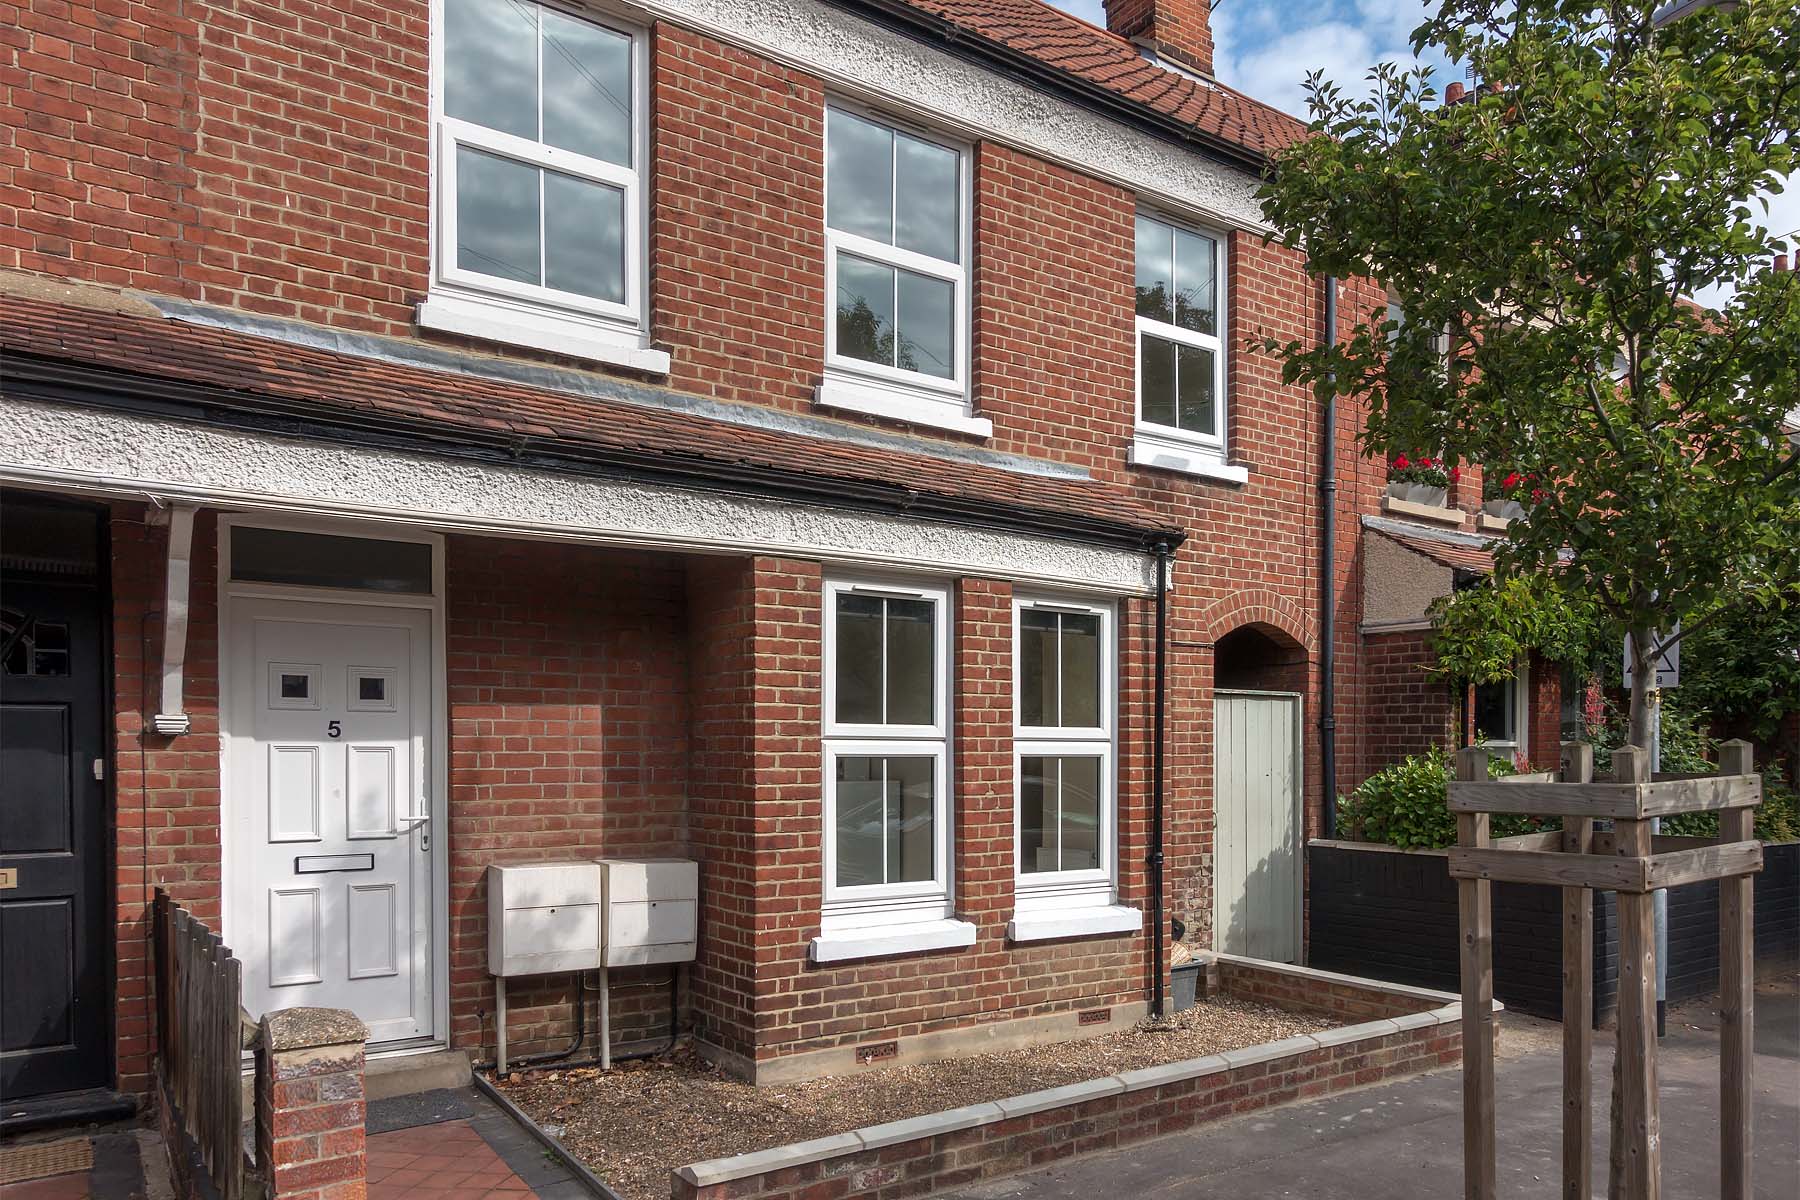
[[200, 1044]]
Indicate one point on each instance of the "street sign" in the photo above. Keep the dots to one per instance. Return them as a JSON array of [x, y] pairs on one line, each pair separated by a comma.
[[1668, 663]]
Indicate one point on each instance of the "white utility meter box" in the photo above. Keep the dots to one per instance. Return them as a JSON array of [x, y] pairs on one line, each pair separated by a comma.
[[543, 918], [650, 910]]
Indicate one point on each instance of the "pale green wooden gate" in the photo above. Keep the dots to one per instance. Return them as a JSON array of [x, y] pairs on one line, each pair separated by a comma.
[[1256, 830]]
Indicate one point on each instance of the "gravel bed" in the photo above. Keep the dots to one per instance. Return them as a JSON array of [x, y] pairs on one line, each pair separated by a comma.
[[646, 1118]]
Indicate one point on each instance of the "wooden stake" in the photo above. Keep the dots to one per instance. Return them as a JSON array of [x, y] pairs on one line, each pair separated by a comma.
[[1577, 994], [1736, 991], [1637, 1125], [1475, 901]]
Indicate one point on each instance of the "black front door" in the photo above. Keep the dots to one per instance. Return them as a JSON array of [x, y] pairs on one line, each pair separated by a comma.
[[55, 997]]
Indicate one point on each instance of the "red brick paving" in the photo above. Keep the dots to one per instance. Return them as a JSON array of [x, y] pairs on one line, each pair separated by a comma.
[[449, 1161], [72, 1185]]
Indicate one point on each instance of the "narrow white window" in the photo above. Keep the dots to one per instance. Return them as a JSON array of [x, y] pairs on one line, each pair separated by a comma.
[[1503, 712], [887, 785], [897, 250], [1181, 347], [1063, 741], [539, 148]]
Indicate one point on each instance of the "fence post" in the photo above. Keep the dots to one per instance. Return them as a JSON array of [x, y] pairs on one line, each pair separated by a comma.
[[1736, 989], [1475, 904], [1577, 992]]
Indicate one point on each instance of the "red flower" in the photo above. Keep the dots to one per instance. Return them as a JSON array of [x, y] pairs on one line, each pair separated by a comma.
[[1538, 495], [1455, 474], [1511, 481], [1400, 463]]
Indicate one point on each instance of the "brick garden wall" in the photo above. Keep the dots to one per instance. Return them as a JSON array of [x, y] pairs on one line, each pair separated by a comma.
[[1408, 711]]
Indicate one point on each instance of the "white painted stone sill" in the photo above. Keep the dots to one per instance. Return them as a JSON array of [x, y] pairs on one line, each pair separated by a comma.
[[896, 404], [880, 942], [547, 331], [1197, 461], [1436, 514], [1048, 924], [1489, 523], [874, 1137]]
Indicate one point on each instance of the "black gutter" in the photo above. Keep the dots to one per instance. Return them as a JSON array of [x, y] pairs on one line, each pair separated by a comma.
[[32, 377], [1003, 60], [1163, 550], [1328, 586]]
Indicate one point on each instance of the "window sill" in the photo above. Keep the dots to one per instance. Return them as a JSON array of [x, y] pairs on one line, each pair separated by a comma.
[[1202, 462], [542, 330], [1044, 925], [881, 942], [894, 404]]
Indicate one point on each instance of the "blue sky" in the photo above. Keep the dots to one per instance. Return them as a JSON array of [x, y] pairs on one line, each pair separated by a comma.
[[1266, 47]]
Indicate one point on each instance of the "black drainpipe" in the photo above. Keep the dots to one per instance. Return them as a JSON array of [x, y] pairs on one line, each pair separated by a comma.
[[1328, 587], [1156, 778]]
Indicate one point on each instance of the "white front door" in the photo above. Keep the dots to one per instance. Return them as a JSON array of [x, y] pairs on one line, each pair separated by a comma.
[[329, 896], [1256, 828]]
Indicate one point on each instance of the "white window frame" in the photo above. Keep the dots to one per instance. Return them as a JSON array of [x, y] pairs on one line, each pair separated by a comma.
[[1068, 890], [877, 389], [1170, 446], [1520, 743], [866, 905], [469, 302]]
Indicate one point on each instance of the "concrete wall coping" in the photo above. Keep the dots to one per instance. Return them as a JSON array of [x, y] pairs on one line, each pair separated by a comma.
[[310, 1028], [1313, 974], [1448, 1011], [1374, 848]]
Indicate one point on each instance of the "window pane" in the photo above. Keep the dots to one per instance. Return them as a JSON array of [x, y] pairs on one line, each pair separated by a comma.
[[587, 88], [1196, 390], [1495, 711], [911, 817], [927, 318], [1194, 275], [1080, 825], [865, 313], [1037, 814], [858, 674], [490, 65], [327, 560], [1155, 268], [859, 177], [1158, 379], [861, 817], [584, 234], [496, 216], [1080, 670], [910, 651], [927, 203], [1038, 682]]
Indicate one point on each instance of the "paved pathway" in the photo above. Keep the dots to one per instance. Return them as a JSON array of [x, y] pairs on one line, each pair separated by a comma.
[[455, 1144], [1405, 1139]]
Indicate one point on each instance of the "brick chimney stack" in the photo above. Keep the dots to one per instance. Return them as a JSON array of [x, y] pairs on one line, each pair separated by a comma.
[[1179, 30]]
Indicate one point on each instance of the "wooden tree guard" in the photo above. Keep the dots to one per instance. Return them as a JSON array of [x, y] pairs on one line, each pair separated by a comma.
[[1635, 863]]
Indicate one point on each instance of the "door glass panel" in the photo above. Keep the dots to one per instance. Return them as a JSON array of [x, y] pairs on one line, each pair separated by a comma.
[[292, 557]]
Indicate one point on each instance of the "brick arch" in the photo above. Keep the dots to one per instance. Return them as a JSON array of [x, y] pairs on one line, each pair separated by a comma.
[[1260, 606]]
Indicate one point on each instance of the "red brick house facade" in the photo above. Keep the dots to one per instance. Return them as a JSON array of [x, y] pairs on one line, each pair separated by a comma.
[[659, 429]]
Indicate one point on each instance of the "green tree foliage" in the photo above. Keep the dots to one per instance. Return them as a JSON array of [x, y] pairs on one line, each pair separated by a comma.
[[1744, 668], [1553, 225], [1480, 633]]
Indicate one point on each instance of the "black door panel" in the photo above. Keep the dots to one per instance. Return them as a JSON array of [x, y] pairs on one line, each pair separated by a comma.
[[55, 995]]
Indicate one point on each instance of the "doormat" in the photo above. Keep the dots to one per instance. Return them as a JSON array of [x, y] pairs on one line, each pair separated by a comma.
[[39, 1160]]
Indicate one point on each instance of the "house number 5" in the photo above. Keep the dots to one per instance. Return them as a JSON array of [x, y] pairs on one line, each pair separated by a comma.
[[334, 729]]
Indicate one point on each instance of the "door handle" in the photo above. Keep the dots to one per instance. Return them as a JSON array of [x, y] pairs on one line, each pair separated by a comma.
[[419, 821]]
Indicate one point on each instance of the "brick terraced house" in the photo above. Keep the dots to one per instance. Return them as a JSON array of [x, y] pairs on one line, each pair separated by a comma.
[[785, 434]]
